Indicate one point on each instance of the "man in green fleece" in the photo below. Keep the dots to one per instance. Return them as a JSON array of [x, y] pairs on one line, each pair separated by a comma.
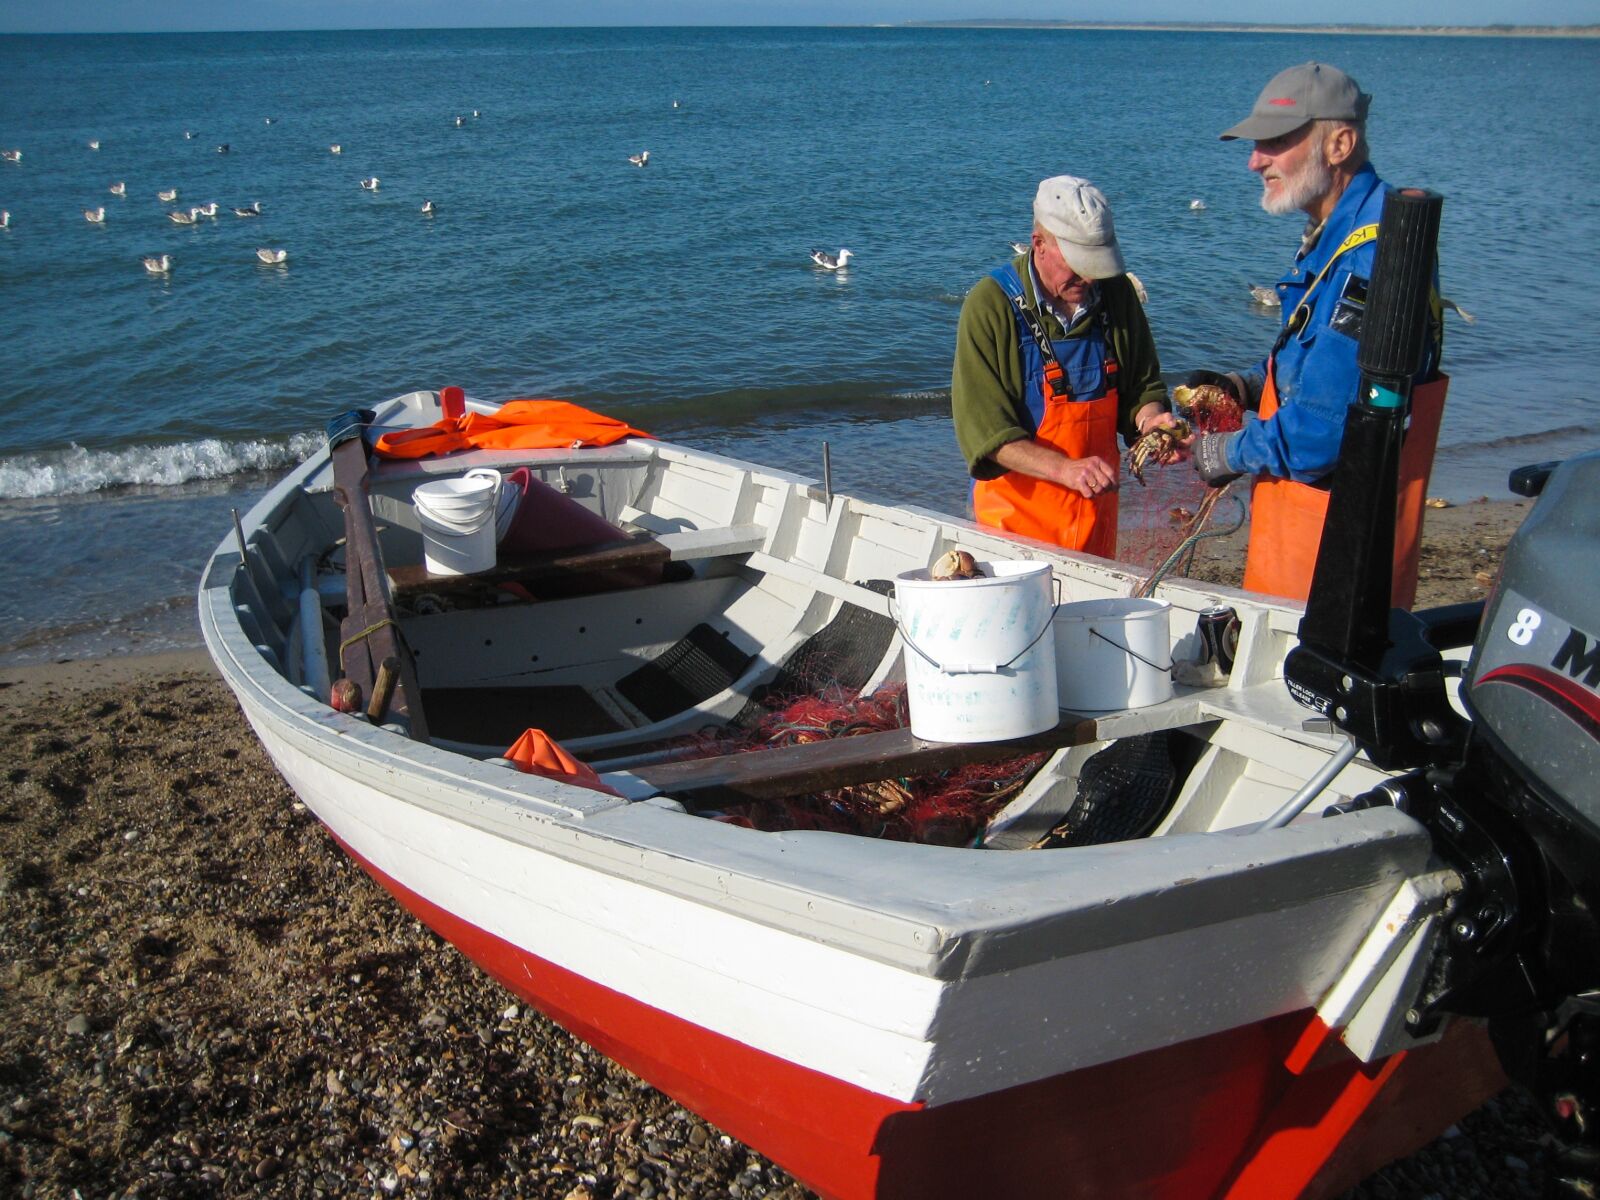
[[1054, 357]]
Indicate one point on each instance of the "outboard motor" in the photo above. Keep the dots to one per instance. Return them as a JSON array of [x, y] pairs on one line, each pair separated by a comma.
[[1511, 797]]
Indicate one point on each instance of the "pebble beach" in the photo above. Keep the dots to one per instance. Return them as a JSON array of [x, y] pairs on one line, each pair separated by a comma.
[[204, 997]]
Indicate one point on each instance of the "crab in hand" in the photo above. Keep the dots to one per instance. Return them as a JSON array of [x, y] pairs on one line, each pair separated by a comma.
[[1160, 442], [1213, 408]]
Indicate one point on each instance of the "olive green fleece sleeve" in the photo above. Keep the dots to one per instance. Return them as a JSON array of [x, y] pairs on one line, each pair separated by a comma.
[[1135, 347], [986, 384]]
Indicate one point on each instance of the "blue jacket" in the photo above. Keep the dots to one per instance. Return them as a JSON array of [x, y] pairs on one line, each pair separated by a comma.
[[1315, 371]]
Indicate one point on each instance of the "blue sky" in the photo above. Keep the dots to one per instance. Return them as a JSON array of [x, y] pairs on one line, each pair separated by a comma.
[[72, 16]]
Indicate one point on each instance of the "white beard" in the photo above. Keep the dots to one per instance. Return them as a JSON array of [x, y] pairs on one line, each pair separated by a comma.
[[1297, 191]]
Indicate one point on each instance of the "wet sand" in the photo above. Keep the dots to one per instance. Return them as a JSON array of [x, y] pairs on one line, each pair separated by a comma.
[[203, 997]]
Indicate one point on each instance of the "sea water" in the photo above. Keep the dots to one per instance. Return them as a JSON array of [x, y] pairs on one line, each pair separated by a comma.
[[140, 408]]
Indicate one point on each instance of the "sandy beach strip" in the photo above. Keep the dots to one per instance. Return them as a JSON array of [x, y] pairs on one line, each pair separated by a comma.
[[204, 997]]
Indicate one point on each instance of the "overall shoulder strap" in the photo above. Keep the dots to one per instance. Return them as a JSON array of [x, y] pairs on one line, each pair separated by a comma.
[[1359, 236]]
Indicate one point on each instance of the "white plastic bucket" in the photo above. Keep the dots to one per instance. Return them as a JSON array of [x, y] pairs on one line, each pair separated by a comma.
[[979, 666], [510, 498], [458, 522], [1113, 654]]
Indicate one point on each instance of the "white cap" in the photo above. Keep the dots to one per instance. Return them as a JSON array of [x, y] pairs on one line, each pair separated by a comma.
[[1076, 214]]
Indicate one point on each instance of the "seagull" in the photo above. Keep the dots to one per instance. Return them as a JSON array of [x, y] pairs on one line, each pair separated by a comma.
[[270, 120], [223, 149], [95, 145], [1444, 300], [188, 135], [168, 196], [118, 189], [832, 262], [253, 209], [178, 217], [157, 264], [1197, 205], [674, 104], [206, 210], [336, 149], [428, 209], [1138, 287], [5, 218], [273, 258], [11, 155], [1265, 296], [370, 185], [95, 216], [640, 159], [460, 121], [1020, 247]]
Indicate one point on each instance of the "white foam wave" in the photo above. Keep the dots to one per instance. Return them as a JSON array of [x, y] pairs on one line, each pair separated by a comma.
[[76, 470]]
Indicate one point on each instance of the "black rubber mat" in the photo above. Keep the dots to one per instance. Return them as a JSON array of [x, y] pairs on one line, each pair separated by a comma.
[[493, 716], [1123, 792], [695, 669], [843, 653]]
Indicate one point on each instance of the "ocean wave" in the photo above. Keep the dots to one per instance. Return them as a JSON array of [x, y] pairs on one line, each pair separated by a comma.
[[77, 470]]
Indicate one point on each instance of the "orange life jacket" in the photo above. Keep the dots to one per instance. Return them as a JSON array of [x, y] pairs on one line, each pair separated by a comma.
[[516, 425], [1286, 517]]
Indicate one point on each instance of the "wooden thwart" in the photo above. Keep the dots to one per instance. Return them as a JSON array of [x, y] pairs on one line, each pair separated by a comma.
[[578, 571], [842, 762]]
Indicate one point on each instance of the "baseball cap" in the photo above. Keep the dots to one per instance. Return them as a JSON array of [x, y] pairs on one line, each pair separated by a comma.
[[1075, 213], [1311, 92]]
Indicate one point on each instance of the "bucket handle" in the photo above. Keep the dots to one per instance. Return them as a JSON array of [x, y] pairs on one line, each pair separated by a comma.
[[491, 512], [1129, 650], [988, 668]]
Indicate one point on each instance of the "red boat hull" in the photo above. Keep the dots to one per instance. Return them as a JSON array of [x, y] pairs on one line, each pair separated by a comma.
[[1239, 1114]]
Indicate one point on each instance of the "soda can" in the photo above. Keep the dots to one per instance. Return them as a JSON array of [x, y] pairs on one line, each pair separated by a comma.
[[1218, 630]]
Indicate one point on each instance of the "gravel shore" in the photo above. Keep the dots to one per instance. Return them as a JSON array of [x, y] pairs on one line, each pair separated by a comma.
[[203, 997]]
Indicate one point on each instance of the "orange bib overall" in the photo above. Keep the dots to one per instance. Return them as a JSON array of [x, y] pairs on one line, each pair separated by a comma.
[[1286, 517]]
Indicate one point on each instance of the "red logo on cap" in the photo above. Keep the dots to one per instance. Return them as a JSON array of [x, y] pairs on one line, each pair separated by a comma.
[[1282, 102]]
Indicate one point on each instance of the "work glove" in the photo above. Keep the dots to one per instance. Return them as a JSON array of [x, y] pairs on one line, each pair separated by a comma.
[[1242, 389], [1210, 454]]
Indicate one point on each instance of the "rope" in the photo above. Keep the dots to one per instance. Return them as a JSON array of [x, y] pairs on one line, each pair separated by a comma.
[[365, 633], [1198, 525]]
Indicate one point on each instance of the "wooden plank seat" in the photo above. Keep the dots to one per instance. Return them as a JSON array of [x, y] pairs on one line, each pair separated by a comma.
[[838, 762], [635, 561]]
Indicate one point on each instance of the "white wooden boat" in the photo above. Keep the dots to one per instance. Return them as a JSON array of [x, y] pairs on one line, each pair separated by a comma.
[[1214, 1008]]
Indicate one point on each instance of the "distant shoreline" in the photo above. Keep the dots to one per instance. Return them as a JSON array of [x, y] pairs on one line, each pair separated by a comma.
[[1527, 31]]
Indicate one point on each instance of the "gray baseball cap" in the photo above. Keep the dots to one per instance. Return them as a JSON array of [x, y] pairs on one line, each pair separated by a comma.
[[1075, 213], [1311, 92]]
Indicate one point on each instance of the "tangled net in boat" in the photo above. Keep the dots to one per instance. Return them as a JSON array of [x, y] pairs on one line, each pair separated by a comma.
[[946, 808]]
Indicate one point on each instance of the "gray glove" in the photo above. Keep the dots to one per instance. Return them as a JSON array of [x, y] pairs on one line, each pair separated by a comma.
[[1210, 455]]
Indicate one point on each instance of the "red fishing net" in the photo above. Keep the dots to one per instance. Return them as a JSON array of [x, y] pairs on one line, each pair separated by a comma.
[[1159, 514], [947, 808]]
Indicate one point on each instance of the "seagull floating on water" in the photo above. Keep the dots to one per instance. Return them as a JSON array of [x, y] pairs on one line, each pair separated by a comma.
[[1197, 205], [188, 135], [474, 114], [336, 149], [95, 145], [640, 159], [1265, 296], [157, 264], [168, 196], [224, 148], [253, 209], [95, 216], [1020, 247], [428, 209], [272, 258], [832, 262], [270, 120], [5, 218], [118, 189], [371, 184], [460, 121], [206, 210], [1138, 287], [674, 104], [178, 217], [11, 155]]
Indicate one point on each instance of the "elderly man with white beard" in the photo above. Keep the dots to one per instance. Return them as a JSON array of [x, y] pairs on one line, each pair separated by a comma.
[[1309, 130]]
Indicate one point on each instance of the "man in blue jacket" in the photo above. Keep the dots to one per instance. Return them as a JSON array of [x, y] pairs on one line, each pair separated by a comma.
[[1309, 130]]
